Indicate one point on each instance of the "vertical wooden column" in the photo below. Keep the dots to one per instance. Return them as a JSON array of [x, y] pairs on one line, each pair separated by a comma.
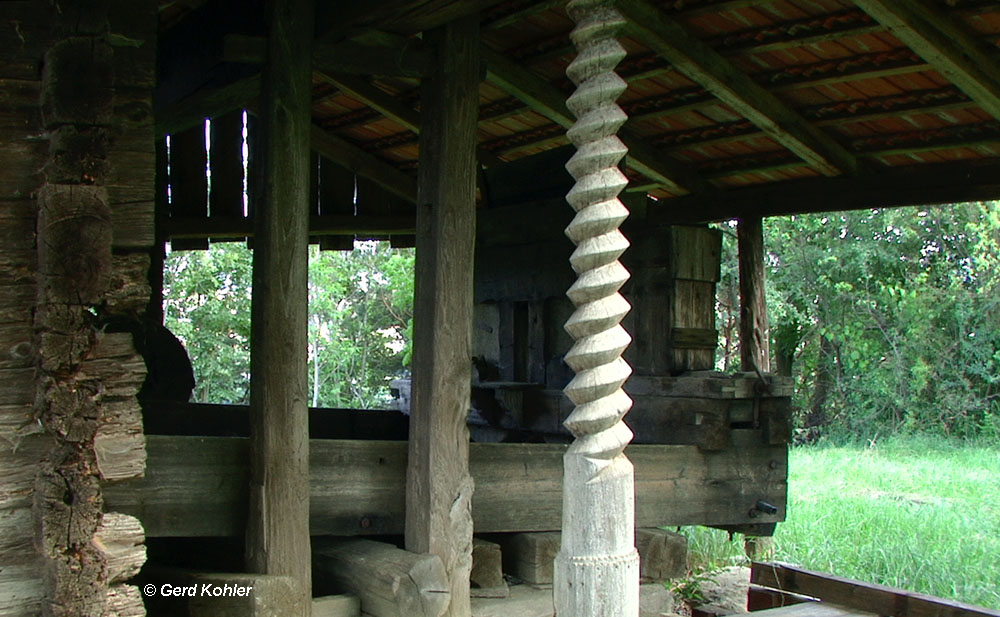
[[597, 569], [755, 348], [439, 487], [278, 521]]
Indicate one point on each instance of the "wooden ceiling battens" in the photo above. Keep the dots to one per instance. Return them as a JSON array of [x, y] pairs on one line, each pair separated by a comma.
[[947, 46], [703, 65]]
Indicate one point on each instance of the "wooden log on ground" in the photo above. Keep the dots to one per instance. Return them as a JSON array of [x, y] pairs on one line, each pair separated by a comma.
[[389, 581], [196, 486], [439, 487], [878, 599]]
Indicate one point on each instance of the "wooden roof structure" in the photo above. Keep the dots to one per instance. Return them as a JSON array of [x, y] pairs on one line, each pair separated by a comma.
[[735, 107]]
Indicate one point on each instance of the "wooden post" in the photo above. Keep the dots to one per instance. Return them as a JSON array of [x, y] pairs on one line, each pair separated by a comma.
[[755, 354], [596, 572], [439, 486], [278, 521]]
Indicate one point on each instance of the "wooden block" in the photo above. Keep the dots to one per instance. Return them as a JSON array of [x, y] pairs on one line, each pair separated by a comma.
[[389, 581], [487, 570], [120, 541], [529, 556], [245, 595], [343, 605], [662, 554]]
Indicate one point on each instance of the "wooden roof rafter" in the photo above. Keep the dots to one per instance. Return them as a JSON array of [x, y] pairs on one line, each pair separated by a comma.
[[945, 44], [550, 102], [700, 63]]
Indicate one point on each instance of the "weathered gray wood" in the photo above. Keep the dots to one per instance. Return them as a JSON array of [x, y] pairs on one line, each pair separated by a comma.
[[278, 515], [342, 605], [662, 554], [120, 539], [814, 609], [123, 601], [530, 556], [878, 599], [196, 486], [755, 337], [439, 489], [487, 570], [389, 581]]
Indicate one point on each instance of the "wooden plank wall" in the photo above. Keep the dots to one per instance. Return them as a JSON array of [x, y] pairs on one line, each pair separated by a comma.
[[200, 211], [196, 486], [68, 415]]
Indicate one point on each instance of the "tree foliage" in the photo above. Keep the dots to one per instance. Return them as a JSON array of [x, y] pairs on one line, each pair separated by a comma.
[[360, 319], [889, 319]]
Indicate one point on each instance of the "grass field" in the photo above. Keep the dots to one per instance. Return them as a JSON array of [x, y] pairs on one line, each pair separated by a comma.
[[919, 514]]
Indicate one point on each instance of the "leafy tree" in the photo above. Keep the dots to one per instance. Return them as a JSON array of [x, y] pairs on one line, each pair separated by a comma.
[[361, 305], [890, 318]]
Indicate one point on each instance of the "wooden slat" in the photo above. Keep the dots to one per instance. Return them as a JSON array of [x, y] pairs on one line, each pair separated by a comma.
[[188, 182], [226, 160], [944, 43], [331, 225], [207, 103], [336, 198], [364, 164], [705, 66], [878, 599], [812, 609], [196, 486]]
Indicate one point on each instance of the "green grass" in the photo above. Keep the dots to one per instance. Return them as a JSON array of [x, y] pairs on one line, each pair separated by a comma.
[[915, 513]]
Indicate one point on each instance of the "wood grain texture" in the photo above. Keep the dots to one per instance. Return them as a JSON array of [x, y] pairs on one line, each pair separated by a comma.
[[278, 515], [859, 596], [196, 486], [755, 337], [439, 488]]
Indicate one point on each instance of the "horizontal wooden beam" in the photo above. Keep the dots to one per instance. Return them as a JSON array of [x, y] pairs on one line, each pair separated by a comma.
[[944, 43], [705, 66], [857, 595], [364, 164], [210, 103], [915, 185], [220, 228], [196, 486]]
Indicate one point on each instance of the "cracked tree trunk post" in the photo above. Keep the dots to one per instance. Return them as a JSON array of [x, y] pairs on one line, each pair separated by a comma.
[[597, 568], [439, 486], [755, 352]]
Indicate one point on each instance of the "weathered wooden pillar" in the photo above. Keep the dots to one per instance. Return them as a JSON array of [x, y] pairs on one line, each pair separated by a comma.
[[278, 521], [597, 568], [755, 348], [439, 487]]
